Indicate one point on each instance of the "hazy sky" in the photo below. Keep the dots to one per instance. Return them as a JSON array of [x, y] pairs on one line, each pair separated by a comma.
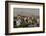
[[26, 11]]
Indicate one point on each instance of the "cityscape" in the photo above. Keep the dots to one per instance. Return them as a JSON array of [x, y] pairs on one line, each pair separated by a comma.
[[26, 18]]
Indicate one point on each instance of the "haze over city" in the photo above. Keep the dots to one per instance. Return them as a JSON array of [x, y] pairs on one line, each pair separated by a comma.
[[26, 11]]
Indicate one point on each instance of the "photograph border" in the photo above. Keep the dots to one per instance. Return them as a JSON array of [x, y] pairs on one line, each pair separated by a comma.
[[6, 17]]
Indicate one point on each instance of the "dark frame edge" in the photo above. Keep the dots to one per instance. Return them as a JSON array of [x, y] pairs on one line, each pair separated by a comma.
[[43, 17], [24, 2], [26, 33], [6, 18]]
